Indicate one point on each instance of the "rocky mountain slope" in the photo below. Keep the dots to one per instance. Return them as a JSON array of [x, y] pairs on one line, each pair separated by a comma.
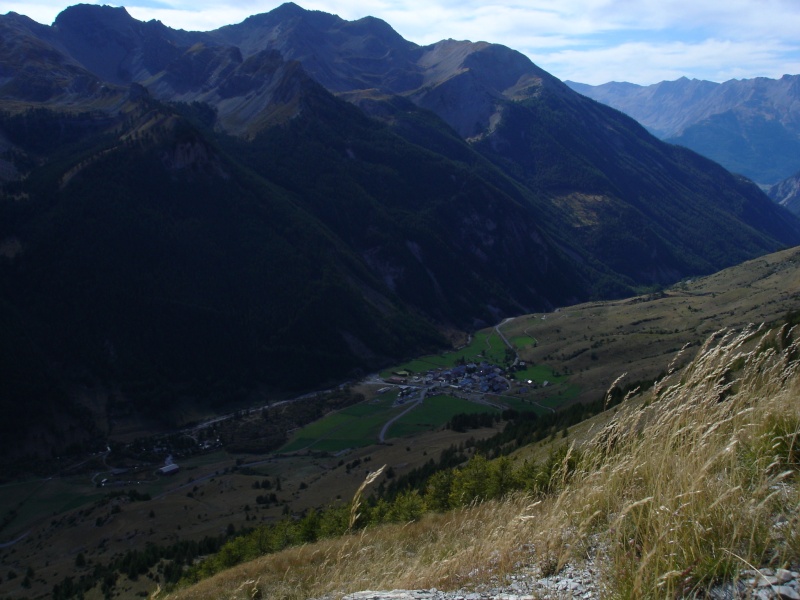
[[193, 220], [750, 126], [787, 193]]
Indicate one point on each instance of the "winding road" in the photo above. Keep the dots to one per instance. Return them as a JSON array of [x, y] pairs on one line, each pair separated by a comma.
[[505, 340], [417, 402]]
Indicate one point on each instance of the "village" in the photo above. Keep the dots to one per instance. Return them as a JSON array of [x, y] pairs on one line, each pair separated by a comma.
[[470, 380]]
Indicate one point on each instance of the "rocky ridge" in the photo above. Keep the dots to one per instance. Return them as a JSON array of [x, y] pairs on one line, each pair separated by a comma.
[[528, 584]]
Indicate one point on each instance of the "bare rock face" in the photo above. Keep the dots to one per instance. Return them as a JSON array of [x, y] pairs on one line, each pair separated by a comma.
[[114, 46], [194, 156], [787, 193], [466, 83]]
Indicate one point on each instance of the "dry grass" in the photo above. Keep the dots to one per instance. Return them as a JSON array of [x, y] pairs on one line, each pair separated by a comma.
[[683, 487], [445, 551], [640, 335], [688, 488]]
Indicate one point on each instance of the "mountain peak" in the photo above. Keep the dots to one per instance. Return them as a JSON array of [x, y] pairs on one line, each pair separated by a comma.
[[289, 9], [82, 16], [287, 16]]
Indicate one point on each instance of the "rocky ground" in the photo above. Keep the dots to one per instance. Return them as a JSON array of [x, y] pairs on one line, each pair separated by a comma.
[[574, 582]]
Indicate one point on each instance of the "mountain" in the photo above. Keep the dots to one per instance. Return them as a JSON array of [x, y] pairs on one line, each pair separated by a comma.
[[750, 126], [787, 193], [195, 221]]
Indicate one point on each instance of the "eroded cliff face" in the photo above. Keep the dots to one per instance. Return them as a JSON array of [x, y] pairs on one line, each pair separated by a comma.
[[193, 156], [787, 193]]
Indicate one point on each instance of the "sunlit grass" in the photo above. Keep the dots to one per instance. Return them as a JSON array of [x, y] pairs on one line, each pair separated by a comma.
[[685, 486]]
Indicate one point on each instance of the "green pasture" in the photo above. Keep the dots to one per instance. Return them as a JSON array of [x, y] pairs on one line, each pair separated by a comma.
[[523, 404], [559, 396], [32, 499], [539, 374], [555, 397], [352, 427], [434, 412], [492, 345], [486, 345], [522, 341], [57, 495]]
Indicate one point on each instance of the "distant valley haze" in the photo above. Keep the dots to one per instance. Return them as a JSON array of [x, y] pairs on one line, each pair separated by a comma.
[[590, 41]]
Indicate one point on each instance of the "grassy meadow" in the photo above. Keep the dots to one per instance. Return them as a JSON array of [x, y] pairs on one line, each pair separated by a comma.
[[433, 413], [353, 427], [484, 345]]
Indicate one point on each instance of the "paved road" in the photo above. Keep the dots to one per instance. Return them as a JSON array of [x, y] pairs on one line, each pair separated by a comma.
[[500, 333], [382, 434], [505, 340]]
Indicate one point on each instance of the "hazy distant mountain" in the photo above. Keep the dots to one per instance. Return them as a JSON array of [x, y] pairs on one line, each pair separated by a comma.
[[750, 126], [191, 219], [787, 193]]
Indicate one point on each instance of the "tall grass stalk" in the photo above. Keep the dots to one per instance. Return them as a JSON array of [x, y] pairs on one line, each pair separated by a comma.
[[686, 485], [693, 479], [355, 505]]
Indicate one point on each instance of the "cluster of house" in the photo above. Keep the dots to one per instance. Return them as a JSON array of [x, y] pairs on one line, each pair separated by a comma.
[[481, 377]]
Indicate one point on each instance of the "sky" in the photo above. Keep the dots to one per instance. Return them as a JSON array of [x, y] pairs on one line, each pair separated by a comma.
[[589, 41]]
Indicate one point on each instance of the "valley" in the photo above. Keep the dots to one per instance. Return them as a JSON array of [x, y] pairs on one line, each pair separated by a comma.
[[109, 506]]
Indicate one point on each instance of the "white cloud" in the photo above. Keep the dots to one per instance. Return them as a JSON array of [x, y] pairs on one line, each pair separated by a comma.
[[192, 20], [715, 60], [41, 12]]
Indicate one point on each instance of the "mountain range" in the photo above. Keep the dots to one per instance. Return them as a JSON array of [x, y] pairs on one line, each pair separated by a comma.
[[750, 126], [192, 221]]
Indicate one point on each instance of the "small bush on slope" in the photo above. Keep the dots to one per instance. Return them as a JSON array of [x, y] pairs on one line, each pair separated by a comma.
[[688, 487]]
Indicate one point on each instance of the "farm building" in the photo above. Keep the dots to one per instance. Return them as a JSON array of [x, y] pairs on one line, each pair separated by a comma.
[[169, 469]]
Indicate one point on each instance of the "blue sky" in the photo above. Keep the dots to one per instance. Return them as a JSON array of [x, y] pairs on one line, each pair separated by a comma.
[[591, 41]]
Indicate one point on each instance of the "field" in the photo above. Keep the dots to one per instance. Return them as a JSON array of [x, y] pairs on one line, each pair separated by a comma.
[[538, 374], [352, 427], [590, 345], [485, 345], [434, 412]]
